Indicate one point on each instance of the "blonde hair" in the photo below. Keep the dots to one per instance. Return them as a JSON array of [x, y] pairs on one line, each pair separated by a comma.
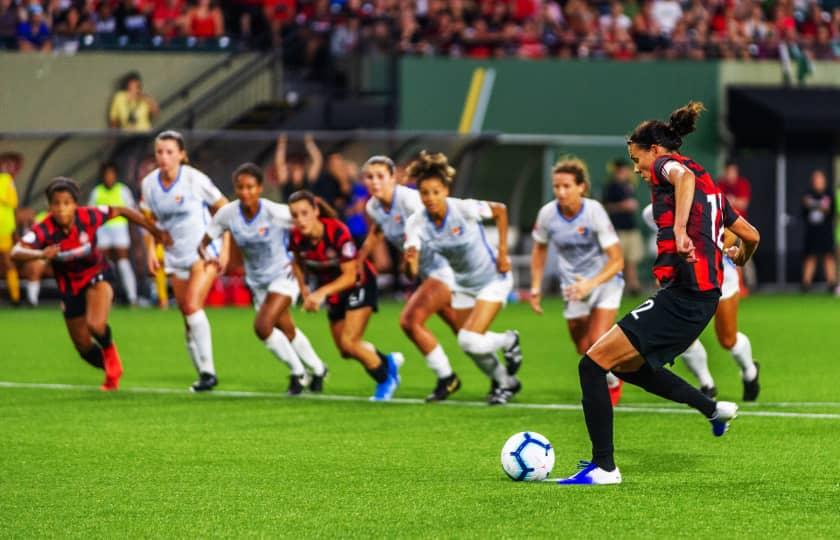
[[576, 167]]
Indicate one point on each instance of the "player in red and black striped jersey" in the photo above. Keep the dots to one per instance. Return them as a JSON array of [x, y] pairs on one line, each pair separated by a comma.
[[67, 239], [691, 214], [324, 249]]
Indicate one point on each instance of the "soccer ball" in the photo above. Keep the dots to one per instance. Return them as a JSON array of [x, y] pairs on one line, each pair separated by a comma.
[[527, 456]]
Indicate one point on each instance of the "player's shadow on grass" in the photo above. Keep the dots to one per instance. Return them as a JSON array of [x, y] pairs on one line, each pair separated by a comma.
[[661, 461]]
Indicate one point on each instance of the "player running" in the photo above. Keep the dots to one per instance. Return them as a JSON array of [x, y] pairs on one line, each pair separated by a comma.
[[589, 259], [726, 329], [67, 239], [179, 196], [260, 228], [389, 208], [452, 228], [323, 248], [690, 213]]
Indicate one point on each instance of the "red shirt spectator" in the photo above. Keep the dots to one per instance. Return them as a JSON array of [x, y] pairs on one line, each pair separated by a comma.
[[736, 189]]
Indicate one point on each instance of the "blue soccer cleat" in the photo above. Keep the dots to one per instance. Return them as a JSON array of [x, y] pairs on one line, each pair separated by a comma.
[[725, 412], [385, 390], [590, 475], [395, 362]]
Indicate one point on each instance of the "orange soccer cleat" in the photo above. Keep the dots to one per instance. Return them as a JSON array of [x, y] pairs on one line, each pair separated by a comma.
[[113, 368], [615, 392]]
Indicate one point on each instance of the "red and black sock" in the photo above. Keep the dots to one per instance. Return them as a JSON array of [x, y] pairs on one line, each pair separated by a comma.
[[94, 357], [380, 373], [597, 411], [104, 339]]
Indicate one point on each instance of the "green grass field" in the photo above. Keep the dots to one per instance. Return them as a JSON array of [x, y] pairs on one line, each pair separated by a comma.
[[156, 461]]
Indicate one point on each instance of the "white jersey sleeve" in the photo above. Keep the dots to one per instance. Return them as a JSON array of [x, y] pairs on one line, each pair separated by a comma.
[[543, 223], [220, 222], [279, 214], [128, 197], [603, 226], [670, 166], [647, 216], [413, 230], [369, 208], [207, 190], [146, 194], [473, 209]]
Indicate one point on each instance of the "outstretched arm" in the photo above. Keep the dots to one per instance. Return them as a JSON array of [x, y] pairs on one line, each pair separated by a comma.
[[137, 218]]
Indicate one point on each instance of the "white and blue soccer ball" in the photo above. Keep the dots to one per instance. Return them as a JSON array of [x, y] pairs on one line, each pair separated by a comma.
[[527, 456]]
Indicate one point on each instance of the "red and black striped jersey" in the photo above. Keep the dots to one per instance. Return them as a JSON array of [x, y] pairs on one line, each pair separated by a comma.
[[710, 213], [323, 257], [78, 260]]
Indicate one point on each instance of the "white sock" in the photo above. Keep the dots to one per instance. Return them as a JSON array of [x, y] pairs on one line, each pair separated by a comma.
[[128, 280], [697, 362], [200, 330], [192, 348], [33, 290], [439, 362], [742, 353], [279, 345], [307, 354], [486, 343], [490, 365], [612, 380]]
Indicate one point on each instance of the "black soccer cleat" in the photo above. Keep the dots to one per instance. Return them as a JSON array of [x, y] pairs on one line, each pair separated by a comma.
[[751, 388], [205, 382], [502, 395], [709, 391], [513, 355], [295, 385], [316, 385], [446, 386]]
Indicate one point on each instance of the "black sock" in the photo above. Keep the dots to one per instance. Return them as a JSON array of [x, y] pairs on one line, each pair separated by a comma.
[[104, 339], [93, 356], [379, 373], [597, 411], [383, 357], [666, 384]]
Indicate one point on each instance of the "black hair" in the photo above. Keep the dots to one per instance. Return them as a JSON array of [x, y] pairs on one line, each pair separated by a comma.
[[128, 77], [250, 169], [670, 135], [316, 202], [172, 135], [428, 166], [576, 167], [381, 160], [105, 165], [63, 184]]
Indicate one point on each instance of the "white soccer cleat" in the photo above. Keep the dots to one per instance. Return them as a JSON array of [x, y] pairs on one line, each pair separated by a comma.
[[725, 412], [591, 475]]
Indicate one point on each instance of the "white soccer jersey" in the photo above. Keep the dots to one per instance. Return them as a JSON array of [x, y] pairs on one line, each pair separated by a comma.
[[460, 240], [263, 240], [405, 203], [580, 240], [182, 209]]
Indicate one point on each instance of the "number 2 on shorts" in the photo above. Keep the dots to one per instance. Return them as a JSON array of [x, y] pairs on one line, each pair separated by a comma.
[[647, 305]]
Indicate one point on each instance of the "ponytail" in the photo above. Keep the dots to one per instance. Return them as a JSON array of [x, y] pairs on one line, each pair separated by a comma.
[[669, 136], [324, 209]]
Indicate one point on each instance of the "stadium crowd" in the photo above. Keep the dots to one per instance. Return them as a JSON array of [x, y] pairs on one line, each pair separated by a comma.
[[533, 29]]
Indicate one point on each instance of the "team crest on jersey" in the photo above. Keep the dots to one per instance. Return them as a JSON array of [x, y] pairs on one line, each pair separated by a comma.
[[179, 199], [398, 219], [457, 231], [583, 231], [262, 231]]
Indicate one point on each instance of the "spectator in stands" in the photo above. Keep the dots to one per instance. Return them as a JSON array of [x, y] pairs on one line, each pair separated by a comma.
[[204, 20], [34, 32], [71, 27], [334, 185], [294, 173], [355, 215], [133, 19], [8, 25], [622, 207], [131, 108], [819, 211], [9, 166], [104, 21], [167, 18]]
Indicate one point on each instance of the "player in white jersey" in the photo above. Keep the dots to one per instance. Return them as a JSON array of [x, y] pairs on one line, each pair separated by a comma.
[[452, 228], [388, 208], [726, 329], [182, 198], [260, 228], [589, 259]]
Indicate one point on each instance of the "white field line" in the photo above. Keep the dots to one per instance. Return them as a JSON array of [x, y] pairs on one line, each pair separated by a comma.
[[641, 408]]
